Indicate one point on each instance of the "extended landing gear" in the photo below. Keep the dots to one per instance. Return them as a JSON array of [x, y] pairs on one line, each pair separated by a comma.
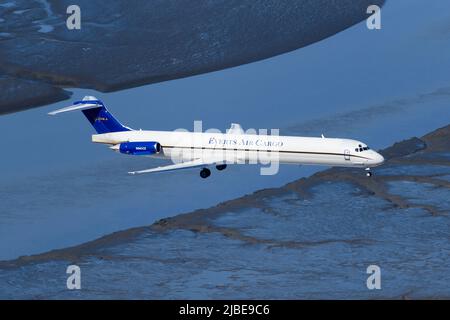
[[221, 167], [205, 173], [368, 172]]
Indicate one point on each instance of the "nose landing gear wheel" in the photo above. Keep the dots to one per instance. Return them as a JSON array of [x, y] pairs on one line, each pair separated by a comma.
[[368, 172], [205, 173]]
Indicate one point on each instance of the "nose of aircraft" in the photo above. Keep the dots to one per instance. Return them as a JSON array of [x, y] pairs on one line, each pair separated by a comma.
[[377, 159]]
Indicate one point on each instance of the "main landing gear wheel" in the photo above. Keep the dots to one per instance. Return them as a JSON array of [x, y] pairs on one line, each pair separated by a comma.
[[368, 172], [221, 167], [205, 173]]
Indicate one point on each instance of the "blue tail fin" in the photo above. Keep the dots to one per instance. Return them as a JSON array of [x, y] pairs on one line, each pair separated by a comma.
[[100, 118], [103, 121], [97, 114]]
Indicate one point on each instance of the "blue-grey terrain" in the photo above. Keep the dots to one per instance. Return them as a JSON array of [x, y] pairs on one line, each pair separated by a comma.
[[312, 238], [122, 44]]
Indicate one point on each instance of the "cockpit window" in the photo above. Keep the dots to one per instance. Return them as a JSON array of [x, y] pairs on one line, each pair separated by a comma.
[[361, 148]]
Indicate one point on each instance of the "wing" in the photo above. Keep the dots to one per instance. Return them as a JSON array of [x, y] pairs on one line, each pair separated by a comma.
[[184, 165]]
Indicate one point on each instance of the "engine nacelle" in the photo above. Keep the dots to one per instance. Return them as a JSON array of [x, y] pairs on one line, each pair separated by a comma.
[[140, 148]]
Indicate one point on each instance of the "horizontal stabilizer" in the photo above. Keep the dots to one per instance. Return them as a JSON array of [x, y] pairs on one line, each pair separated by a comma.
[[74, 107]]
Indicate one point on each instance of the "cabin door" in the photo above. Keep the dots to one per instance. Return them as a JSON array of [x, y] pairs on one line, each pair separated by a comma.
[[347, 155]]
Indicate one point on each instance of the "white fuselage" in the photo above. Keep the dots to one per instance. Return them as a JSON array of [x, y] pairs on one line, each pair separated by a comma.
[[247, 148]]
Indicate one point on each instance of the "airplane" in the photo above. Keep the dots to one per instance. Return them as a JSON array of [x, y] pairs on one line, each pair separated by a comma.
[[204, 150]]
